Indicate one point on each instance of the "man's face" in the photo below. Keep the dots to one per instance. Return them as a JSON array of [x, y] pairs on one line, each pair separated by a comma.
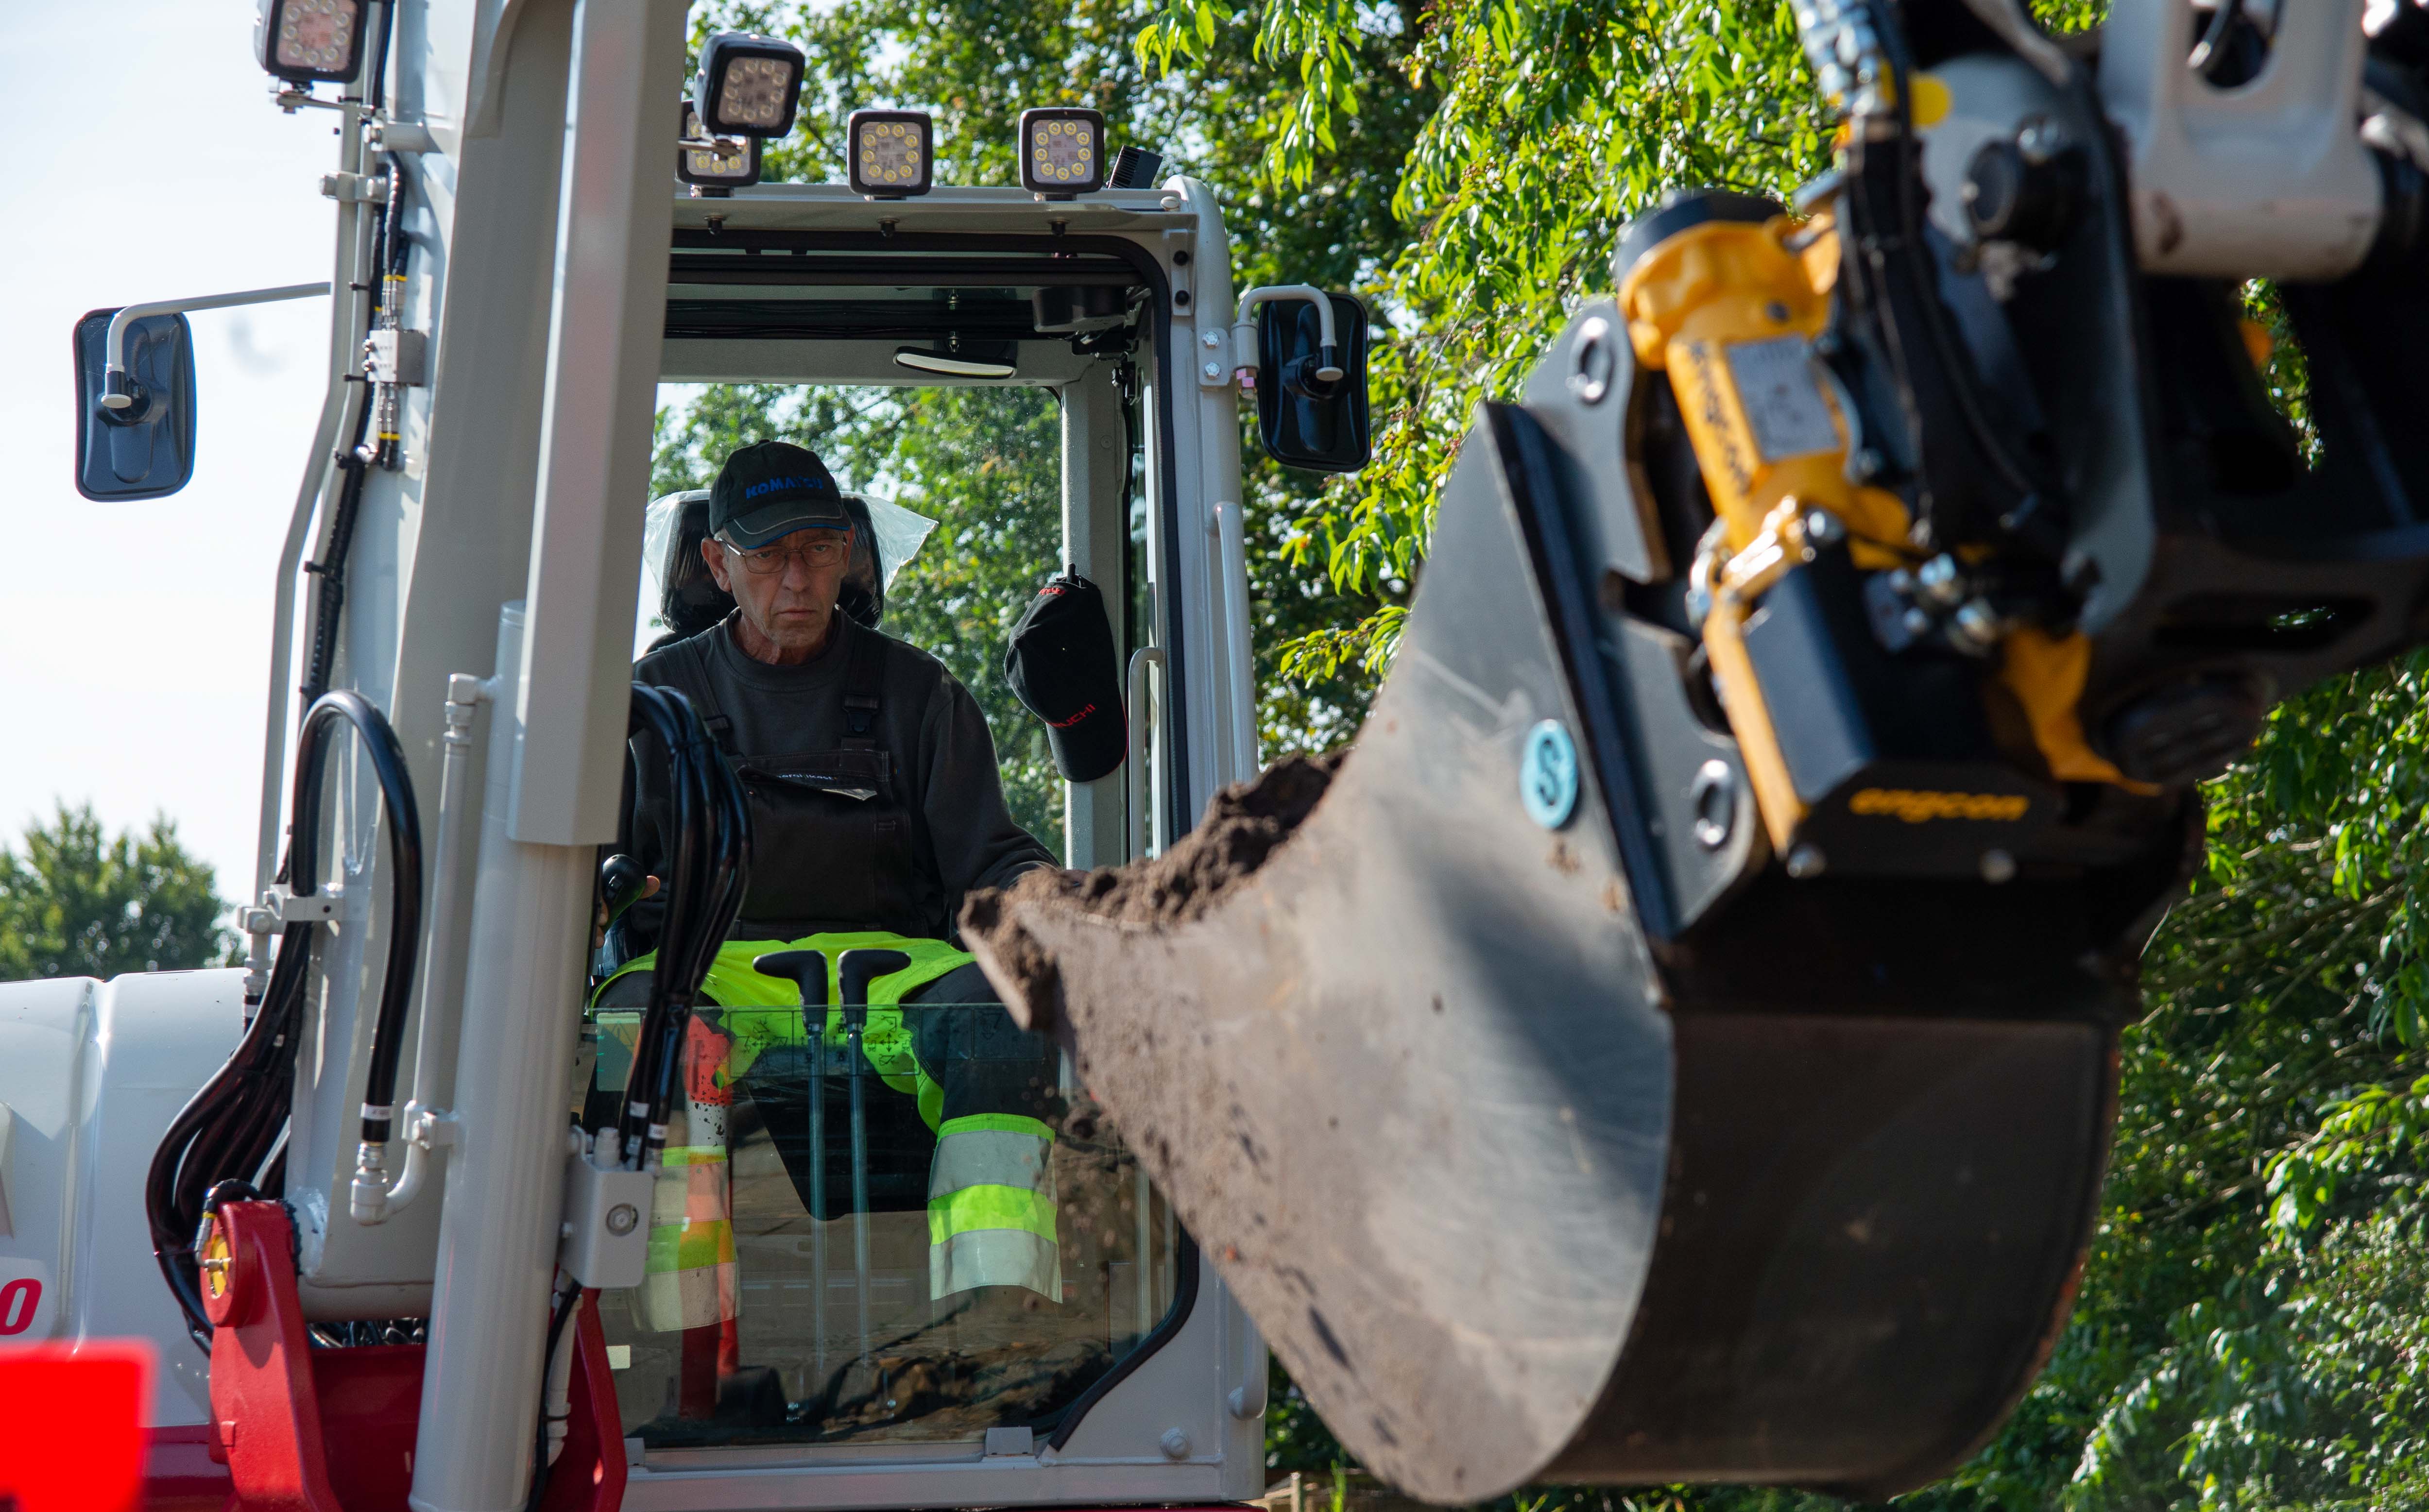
[[787, 590]]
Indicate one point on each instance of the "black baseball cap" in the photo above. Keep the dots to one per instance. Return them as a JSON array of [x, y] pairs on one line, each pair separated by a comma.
[[770, 489], [1061, 665]]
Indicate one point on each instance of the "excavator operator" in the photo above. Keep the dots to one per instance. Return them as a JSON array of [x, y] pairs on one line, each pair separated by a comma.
[[875, 799], [875, 806]]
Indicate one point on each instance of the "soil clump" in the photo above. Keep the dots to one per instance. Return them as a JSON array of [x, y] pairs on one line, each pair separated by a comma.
[[1243, 827]]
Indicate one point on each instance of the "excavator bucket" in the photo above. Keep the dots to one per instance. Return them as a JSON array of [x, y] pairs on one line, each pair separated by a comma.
[[1532, 1163]]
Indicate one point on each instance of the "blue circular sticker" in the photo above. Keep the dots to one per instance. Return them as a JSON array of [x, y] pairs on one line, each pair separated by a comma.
[[1548, 775]]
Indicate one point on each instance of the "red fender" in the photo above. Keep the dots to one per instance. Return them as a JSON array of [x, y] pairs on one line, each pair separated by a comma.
[[332, 1430]]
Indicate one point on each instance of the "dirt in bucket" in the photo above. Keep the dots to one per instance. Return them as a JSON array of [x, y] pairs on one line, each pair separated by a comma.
[[1243, 827]]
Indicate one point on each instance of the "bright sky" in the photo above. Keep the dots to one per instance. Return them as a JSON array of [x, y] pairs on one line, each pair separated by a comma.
[[134, 651]]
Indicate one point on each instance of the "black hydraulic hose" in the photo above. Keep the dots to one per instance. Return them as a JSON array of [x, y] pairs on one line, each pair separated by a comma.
[[379, 57], [232, 1126], [332, 569], [390, 248], [682, 962], [661, 1028], [396, 244], [707, 871], [404, 885], [225, 1119], [237, 1120], [1914, 259]]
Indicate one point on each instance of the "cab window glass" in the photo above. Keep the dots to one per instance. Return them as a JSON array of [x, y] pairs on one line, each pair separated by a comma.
[[986, 463], [907, 1226]]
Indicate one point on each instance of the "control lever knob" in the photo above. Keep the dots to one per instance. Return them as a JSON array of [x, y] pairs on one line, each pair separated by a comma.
[[620, 880], [804, 969], [856, 970]]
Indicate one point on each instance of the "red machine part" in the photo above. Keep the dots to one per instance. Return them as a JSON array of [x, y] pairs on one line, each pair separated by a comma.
[[181, 1473], [279, 1407], [74, 1415]]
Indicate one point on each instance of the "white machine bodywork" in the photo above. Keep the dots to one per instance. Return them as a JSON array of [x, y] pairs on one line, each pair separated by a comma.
[[2268, 177], [539, 217], [90, 1074]]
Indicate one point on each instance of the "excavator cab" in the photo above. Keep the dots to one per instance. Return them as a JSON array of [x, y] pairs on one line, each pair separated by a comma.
[[902, 1225]]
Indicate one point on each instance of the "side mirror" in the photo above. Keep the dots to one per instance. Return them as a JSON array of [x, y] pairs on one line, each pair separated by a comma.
[[135, 438], [1306, 420]]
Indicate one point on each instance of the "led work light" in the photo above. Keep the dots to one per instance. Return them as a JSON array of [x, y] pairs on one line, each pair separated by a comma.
[[890, 154], [748, 86], [1061, 153], [309, 41], [715, 168]]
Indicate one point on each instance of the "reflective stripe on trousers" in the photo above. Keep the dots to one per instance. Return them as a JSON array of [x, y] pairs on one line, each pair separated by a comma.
[[991, 1206], [690, 1281]]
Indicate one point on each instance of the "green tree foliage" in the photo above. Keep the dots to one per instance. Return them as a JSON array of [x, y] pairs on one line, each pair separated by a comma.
[[77, 903], [2249, 1331], [1552, 125]]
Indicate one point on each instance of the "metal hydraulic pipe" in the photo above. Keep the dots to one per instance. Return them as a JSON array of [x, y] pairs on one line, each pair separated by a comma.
[[818, 1183], [851, 1027], [425, 1127], [346, 322]]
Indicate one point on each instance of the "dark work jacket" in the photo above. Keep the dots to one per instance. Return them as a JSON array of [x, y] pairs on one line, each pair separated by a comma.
[[885, 830]]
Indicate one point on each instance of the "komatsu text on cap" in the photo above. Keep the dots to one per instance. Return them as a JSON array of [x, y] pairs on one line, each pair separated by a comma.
[[770, 489]]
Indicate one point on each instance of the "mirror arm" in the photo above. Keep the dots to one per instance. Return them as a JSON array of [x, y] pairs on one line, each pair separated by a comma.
[[1244, 327], [118, 388]]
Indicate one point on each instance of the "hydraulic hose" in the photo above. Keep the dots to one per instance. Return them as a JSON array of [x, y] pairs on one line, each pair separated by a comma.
[[233, 1127], [707, 871], [390, 248], [380, 449], [405, 890], [710, 853], [379, 58], [1899, 224], [373, 1200]]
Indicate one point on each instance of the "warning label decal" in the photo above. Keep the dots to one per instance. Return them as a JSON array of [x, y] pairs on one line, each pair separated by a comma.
[[1782, 398]]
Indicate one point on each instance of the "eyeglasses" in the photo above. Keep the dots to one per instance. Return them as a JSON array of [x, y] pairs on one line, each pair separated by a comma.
[[823, 551]]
